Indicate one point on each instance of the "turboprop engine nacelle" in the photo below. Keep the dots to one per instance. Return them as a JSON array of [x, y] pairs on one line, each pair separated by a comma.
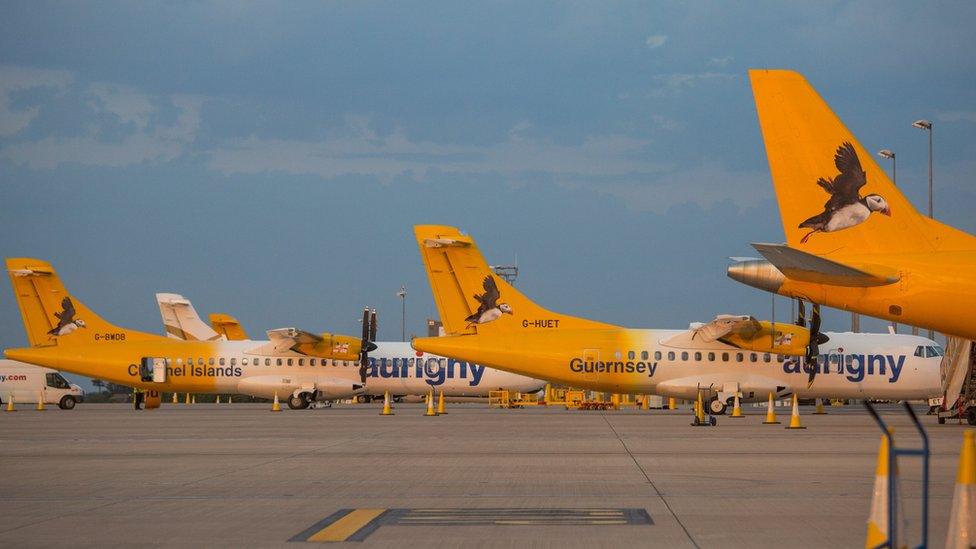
[[782, 338], [332, 346]]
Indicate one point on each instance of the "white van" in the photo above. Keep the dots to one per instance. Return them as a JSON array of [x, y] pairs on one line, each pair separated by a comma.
[[26, 382]]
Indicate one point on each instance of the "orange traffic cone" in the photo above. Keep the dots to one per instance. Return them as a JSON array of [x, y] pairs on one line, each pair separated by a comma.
[[820, 408], [40, 402], [217, 400], [387, 409], [440, 404], [877, 534], [430, 404], [276, 406], [962, 521], [770, 412], [672, 403], [795, 416], [176, 399], [736, 409], [10, 403]]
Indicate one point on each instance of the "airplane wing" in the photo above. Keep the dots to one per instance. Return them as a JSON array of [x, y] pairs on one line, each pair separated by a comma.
[[743, 332], [807, 267], [724, 325], [284, 340]]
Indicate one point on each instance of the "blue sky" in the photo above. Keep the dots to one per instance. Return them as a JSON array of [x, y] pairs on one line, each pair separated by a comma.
[[269, 159]]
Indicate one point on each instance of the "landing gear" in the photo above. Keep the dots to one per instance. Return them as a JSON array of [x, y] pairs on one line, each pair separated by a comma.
[[299, 401], [717, 407]]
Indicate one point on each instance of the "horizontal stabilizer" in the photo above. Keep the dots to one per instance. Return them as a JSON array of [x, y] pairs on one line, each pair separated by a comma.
[[807, 267]]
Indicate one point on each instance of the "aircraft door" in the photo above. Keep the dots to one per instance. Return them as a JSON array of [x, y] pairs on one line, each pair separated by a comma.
[[152, 369], [590, 358]]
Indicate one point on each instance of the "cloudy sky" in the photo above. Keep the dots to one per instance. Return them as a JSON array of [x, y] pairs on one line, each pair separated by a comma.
[[268, 159]]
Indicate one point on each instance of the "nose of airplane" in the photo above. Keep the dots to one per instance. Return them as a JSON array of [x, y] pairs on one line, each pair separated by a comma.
[[757, 273]]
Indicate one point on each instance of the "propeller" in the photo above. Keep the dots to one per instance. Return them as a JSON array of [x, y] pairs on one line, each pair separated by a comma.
[[816, 340], [368, 337]]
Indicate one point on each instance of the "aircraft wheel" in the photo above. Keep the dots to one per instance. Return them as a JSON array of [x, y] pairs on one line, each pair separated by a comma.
[[717, 407], [362, 399], [67, 403], [298, 402]]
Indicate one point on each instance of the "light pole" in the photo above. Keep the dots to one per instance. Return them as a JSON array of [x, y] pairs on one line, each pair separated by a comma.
[[890, 155], [402, 294], [927, 126]]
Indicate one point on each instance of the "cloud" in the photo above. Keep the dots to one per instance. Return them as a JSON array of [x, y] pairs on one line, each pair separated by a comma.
[[720, 61], [673, 83], [348, 152], [706, 186], [14, 79], [957, 116], [655, 41], [148, 140]]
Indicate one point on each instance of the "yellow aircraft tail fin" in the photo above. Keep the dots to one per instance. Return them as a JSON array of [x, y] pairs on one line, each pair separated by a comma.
[[52, 316], [471, 298], [228, 326], [833, 196]]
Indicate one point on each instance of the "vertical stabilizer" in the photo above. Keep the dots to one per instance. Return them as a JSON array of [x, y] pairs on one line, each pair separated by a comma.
[[833, 196], [471, 298], [54, 317]]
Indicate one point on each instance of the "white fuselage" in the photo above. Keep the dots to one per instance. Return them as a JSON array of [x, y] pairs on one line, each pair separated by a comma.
[[873, 366], [393, 367]]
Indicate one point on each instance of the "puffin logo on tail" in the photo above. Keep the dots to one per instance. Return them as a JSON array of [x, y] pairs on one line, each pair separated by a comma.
[[67, 322], [489, 309], [845, 208]]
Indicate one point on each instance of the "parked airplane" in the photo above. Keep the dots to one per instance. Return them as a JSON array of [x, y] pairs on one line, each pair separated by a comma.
[[66, 335], [490, 322], [393, 366], [853, 241]]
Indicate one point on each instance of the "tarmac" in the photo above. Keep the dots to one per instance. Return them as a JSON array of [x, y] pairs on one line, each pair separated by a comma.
[[233, 475]]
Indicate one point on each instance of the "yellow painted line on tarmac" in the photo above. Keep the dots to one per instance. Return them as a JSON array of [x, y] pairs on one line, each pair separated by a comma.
[[348, 525]]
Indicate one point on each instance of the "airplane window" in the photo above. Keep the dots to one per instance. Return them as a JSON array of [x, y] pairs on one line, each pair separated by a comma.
[[221, 361], [442, 362], [211, 361], [930, 352], [939, 351], [301, 362], [670, 355], [657, 355], [753, 357], [698, 356], [311, 362], [849, 359], [631, 355], [780, 358], [617, 355], [244, 361], [766, 357], [233, 361], [200, 361], [189, 361], [267, 362], [289, 362], [409, 362], [711, 357], [279, 362], [920, 351], [684, 355], [725, 357]]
